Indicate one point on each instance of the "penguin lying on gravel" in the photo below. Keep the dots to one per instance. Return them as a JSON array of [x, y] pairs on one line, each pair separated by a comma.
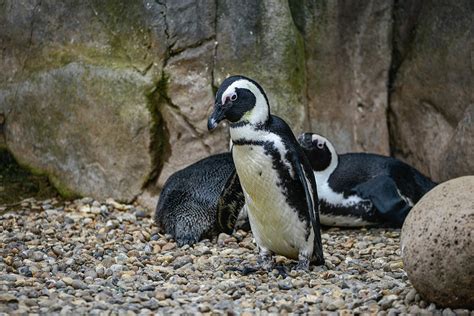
[[359, 189], [276, 177], [200, 200]]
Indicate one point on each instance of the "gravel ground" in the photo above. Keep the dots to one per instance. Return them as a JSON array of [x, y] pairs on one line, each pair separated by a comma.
[[107, 258]]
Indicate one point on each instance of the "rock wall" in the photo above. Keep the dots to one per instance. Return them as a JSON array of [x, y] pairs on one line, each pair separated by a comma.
[[108, 98], [348, 54], [432, 101]]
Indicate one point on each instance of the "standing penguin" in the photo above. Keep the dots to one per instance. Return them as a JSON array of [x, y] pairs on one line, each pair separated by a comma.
[[276, 177], [359, 189]]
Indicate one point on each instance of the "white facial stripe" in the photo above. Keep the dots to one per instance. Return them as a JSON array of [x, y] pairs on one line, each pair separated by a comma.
[[326, 173], [322, 177], [249, 133], [261, 110], [226, 95]]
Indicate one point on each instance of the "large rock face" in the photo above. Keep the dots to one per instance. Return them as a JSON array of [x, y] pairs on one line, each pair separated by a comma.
[[112, 97], [191, 97], [433, 91], [438, 246], [107, 154], [259, 39], [76, 92], [348, 54]]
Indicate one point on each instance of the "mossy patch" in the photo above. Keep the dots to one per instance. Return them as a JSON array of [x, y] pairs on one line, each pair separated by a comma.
[[158, 146]]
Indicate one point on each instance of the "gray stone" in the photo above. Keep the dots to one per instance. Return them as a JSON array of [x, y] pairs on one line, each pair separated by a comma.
[[75, 95], [258, 39], [191, 96], [348, 52], [190, 22], [453, 162], [84, 148], [437, 244], [433, 88]]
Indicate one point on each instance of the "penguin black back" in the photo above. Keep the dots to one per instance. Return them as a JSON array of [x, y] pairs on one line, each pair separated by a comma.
[[188, 205], [355, 168], [362, 188]]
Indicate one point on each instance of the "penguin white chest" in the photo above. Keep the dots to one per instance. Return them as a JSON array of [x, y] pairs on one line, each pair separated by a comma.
[[275, 225]]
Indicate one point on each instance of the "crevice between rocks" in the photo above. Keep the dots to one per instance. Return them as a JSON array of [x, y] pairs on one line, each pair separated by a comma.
[[214, 55], [400, 49], [159, 145], [297, 12]]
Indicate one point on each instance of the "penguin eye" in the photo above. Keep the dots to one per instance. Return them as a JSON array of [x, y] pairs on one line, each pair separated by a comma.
[[320, 145], [233, 96]]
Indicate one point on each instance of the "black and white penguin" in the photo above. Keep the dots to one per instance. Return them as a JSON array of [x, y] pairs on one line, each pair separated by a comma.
[[276, 177], [361, 189], [201, 200]]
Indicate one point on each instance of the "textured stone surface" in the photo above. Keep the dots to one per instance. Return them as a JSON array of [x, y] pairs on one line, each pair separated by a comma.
[[87, 257], [191, 97], [348, 54], [40, 35], [433, 87], [190, 22], [326, 66], [259, 39], [75, 92], [457, 159], [437, 244], [87, 127]]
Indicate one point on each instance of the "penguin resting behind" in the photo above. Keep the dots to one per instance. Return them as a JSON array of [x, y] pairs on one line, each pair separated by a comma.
[[201, 200], [275, 175], [361, 189]]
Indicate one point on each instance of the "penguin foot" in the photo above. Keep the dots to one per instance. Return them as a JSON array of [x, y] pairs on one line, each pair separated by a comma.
[[186, 240], [281, 271], [303, 264], [265, 260]]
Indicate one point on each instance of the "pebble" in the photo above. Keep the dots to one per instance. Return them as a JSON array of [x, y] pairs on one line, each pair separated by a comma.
[[93, 257]]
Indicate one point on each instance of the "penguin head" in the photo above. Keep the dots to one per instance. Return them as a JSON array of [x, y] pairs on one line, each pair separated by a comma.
[[320, 152], [239, 99]]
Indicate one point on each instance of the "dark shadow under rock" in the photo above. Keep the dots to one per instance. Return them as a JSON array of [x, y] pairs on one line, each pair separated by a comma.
[[17, 183]]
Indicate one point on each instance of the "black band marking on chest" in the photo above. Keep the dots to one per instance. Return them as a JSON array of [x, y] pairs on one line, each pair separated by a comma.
[[291, 187]]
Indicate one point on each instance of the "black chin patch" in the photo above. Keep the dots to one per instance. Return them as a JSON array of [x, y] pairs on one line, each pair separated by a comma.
[[320, 158], [245, 102]]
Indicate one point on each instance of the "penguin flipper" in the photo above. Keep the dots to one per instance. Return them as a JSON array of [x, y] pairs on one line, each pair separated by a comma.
[[312, 203], [382, 191], [229, 204]]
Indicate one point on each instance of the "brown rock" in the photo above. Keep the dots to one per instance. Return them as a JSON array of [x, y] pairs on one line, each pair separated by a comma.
[[437, 244], [56, 127], [348, 52], [191, 97], [433, 89], [455, 161], [259, 39], [169, 246], [190, 22], [75, 95]]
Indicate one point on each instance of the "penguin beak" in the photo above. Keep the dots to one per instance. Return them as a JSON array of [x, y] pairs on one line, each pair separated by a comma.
[[216, 117]]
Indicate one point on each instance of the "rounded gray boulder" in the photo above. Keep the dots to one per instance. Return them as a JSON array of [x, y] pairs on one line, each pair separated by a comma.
[[437, 244]]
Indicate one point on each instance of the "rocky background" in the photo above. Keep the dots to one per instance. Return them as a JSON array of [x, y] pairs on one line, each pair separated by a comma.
[[108, 98]]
